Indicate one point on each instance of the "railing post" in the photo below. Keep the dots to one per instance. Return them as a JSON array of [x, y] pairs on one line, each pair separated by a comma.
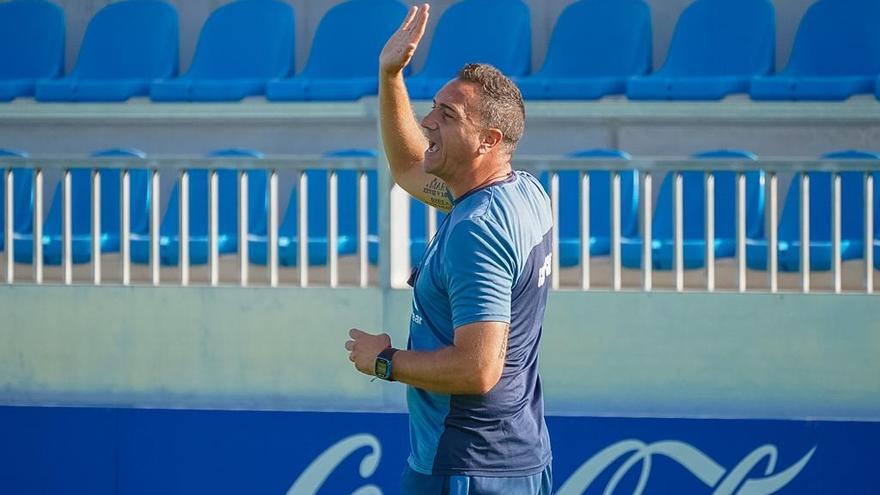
[[9, 225], [585, 229], [184, 228], [302, 227], [96, 226], [741, 231], [155, 262], [273, 233], [332, 228], [554, 205], [243, 228], [362, 224], [772, 236], [38, 226], [709, 219], [394, 262], [66, 226], [805, 232], [125, 226], [869, 232], [678, 229], [645, 217]]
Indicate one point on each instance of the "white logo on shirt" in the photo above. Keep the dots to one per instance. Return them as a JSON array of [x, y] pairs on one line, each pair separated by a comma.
[[545, 270], [416, 319]]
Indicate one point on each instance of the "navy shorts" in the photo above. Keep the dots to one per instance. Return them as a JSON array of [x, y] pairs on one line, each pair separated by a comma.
[[413, 483]]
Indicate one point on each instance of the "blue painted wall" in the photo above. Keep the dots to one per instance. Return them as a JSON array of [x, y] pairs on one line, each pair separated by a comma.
[[134, 451]]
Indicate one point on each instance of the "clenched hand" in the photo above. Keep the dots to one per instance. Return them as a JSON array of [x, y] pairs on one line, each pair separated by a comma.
[[364, 347]]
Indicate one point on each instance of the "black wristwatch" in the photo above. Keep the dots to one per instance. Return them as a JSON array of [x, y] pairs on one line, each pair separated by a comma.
[[383, 364]]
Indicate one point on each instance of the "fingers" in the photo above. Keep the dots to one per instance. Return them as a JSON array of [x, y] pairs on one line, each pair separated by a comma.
[[354, 333], [408, 19], [418, 30]]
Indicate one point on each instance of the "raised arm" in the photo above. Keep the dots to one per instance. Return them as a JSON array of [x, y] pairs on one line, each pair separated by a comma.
[[402, 136]]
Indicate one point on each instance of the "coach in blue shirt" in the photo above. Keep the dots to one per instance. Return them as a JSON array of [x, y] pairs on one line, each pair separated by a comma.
[[471, 363]]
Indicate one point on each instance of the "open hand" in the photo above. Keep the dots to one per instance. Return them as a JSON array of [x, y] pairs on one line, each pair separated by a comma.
[[364, 347], [402, 45]]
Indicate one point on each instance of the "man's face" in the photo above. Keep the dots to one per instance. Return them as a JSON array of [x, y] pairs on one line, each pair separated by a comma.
[[452, 128]]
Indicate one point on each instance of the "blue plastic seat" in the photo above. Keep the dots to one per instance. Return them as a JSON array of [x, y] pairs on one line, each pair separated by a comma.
[[496, 32], [242, 46], [347, 235], [836, 54], [22, 64], [600, 201], [595, 47], [81, 210], [23, 206], [227, 211], [852, 215], [717, 47], [126, 46], [344, 61], [694, 235]]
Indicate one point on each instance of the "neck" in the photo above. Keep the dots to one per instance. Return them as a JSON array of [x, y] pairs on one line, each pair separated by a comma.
[[462, 184]]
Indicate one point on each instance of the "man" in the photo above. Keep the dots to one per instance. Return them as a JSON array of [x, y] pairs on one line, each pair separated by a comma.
[[471, 364]]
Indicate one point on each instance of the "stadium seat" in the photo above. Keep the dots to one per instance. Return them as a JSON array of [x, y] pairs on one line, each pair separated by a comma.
[[836, 54], [717, 47], [81, 210], [126, 46], [852, 215], [227, 210], [23, 205], [344, 60], [22, 64], [498, 33], [242, 46], [694, 235], [600, 201], [288, 230], [595, 47]]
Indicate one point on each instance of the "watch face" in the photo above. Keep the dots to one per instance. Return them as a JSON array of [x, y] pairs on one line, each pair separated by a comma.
[[381, 368]]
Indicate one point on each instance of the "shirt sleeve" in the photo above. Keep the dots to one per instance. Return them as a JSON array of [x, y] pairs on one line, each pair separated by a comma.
[[480, 268]]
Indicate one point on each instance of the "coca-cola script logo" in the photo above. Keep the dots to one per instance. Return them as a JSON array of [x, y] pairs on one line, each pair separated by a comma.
[[633, 452], [724, 482]]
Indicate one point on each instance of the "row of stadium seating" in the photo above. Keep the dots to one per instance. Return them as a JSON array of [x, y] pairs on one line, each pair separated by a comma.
[[597, 48], [852, 214]]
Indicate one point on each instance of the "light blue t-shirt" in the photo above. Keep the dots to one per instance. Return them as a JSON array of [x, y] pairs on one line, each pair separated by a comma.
[[490, 261]]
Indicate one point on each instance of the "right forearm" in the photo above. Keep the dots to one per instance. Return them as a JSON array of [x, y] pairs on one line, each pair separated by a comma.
[[401, 134]]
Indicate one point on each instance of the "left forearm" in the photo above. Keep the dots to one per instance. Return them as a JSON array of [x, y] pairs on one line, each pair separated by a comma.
[[445, 371]]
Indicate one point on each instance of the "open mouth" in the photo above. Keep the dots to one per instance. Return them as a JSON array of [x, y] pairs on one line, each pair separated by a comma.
[[432, 147]]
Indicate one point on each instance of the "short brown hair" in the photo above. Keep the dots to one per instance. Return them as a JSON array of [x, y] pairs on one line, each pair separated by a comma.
[[501, 103]]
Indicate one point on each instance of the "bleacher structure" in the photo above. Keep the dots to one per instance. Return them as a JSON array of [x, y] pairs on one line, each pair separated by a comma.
[[183, 247]]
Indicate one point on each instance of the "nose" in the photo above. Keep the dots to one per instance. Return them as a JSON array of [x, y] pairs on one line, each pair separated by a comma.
[[428, 122]]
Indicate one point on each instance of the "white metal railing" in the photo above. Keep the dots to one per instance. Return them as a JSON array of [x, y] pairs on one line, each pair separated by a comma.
[[649, 170], [581, 276], [157, 167]]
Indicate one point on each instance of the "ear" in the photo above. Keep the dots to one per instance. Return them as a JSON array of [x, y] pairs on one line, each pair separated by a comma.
[[491, 139]]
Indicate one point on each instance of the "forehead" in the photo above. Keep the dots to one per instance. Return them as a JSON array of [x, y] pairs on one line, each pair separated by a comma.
[[459, 94]]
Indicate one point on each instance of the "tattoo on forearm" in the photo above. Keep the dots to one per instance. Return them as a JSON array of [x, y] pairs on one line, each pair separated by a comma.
[[503, 353]]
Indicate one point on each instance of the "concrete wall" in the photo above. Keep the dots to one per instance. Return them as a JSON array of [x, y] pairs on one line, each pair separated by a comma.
[[309, 12], [623, 354]]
